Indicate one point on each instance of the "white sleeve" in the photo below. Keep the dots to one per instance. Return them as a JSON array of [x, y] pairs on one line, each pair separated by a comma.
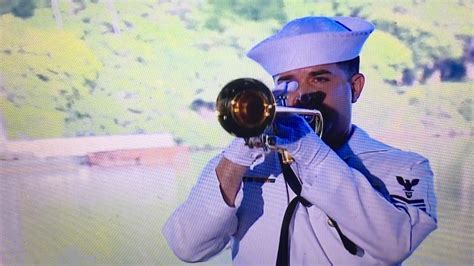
[[387, 230], [203, 225]]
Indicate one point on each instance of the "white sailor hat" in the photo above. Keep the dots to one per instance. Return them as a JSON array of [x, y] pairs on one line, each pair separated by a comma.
[[311, 41]]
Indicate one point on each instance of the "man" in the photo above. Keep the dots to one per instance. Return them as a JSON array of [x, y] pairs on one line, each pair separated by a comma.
[[355, 201]]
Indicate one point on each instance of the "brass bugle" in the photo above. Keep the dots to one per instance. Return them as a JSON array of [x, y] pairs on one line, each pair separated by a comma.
[[246, 108]]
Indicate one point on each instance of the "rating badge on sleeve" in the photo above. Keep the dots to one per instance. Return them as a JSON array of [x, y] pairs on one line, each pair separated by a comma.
[[408, 185]]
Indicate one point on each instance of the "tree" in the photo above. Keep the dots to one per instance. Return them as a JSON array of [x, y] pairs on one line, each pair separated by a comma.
[[24, 9], [452, 69], [252, 9]]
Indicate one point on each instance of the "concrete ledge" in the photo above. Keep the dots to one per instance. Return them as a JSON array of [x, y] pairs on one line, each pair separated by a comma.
[[167, 156], [82, 146]]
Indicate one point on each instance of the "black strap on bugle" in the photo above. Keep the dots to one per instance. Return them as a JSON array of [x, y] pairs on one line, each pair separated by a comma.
[[283, 258]]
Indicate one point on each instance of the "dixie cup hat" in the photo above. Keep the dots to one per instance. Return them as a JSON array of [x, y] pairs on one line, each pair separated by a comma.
[[311, 41]]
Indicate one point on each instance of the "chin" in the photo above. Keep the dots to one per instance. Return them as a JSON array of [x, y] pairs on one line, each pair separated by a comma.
[[332, 137], [327, 130], [326, 135]]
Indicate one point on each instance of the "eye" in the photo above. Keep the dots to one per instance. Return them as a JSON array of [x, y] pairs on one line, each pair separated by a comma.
[[320, 79]]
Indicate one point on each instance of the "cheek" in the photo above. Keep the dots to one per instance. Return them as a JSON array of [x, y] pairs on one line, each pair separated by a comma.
[[336, 106], [338, 99]]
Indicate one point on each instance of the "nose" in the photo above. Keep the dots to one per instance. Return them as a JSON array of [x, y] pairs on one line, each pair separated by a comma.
[[287, 88], [292, 98], [296, 95]]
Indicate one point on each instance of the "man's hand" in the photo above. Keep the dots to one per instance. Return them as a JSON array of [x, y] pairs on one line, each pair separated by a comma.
[[237, 158], [292, 132], [239, 153]]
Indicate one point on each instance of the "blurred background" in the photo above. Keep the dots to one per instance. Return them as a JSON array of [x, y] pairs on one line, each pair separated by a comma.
[[107, 114]]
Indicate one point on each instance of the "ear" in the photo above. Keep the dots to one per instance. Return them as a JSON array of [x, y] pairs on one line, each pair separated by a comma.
[[357, 85]]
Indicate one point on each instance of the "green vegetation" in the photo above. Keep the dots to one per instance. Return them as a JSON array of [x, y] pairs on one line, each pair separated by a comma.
[[24, 9], [256, 10], [86, 80]]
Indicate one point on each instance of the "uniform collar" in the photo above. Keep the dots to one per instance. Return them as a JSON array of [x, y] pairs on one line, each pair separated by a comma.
[[360, 142]]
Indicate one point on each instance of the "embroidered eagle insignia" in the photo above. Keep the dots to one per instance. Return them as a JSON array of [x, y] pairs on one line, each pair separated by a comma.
[[408, 185]]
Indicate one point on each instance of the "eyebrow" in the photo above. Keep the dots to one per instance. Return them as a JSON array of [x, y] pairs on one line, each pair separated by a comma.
[[319, 72], [312, 74]]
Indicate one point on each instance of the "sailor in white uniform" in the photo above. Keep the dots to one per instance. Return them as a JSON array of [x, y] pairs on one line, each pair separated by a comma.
[[356, 201]]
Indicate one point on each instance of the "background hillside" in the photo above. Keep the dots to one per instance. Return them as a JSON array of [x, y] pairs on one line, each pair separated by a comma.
[[84, 68], [95, 69]]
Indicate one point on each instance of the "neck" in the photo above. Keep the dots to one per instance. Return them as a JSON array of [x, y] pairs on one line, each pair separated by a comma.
[[337, 139]]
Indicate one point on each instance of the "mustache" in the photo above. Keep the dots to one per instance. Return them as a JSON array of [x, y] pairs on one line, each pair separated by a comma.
[[313, 100]]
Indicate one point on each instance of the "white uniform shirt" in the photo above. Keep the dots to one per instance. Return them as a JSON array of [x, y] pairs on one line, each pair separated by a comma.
[[382, 199]]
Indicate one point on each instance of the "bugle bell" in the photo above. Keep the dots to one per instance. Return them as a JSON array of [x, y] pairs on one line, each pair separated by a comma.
[[246, 108]]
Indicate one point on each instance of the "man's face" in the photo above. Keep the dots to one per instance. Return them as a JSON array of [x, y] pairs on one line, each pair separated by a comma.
[[328, 89]]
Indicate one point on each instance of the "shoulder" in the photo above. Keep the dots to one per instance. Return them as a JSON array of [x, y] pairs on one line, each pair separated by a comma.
[[389, 163], [406, 176], [396, 158], [389, 156], [411, 181]]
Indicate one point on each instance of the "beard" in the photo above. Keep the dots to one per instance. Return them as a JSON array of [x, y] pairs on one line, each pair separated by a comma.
[[315, 101]]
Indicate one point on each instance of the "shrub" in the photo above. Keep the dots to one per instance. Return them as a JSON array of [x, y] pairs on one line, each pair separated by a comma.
[[252, 9], [24, 9]]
